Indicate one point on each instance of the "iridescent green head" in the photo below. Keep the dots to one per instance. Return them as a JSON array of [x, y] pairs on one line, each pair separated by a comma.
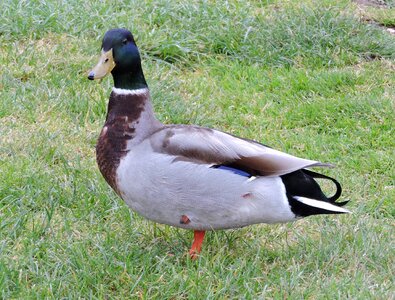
[[120, 57]]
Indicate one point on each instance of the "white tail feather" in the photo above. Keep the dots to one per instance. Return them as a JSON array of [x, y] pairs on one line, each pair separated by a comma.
[[322, 205]]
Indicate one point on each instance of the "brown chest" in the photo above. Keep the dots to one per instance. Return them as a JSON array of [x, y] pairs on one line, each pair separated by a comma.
[[112, 147]]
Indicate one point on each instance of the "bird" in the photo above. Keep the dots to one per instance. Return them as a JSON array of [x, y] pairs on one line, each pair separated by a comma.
[[192, 177]]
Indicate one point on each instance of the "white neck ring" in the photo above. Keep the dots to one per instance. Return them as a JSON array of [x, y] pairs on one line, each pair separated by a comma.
[[136, 92]]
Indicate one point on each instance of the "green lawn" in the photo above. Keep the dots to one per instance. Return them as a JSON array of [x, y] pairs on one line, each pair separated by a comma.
[[309, 79]]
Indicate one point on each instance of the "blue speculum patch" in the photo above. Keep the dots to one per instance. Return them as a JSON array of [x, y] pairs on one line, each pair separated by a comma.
[[233, 170]]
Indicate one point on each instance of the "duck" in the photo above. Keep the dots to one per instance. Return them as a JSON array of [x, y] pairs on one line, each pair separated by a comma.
[[192, 177]]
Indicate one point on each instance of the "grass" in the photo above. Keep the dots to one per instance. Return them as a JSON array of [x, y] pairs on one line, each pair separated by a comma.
[[310, 80], [382, 16]]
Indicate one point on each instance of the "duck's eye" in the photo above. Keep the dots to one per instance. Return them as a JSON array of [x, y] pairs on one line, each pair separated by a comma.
[[125, 41], [106, 60]]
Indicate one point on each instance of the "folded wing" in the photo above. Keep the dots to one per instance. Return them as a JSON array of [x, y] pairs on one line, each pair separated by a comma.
[[204, 145]]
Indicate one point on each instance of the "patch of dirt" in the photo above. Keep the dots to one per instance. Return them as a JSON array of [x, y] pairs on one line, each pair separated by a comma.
[[368, 18], [376, 3], [389, 29]]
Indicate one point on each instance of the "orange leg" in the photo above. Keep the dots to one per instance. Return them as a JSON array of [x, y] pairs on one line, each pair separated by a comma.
[[198, 237]]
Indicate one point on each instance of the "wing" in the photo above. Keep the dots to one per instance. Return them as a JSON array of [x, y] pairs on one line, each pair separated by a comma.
[[204, 145]]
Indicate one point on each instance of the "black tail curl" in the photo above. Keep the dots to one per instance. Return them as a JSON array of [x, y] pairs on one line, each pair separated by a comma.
[[302, 183], [338, 192]]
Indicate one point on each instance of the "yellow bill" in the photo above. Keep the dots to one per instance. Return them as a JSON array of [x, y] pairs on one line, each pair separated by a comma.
[[104, 67]]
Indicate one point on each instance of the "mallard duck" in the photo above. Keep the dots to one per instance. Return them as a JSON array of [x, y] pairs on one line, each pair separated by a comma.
[[189, 176]]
